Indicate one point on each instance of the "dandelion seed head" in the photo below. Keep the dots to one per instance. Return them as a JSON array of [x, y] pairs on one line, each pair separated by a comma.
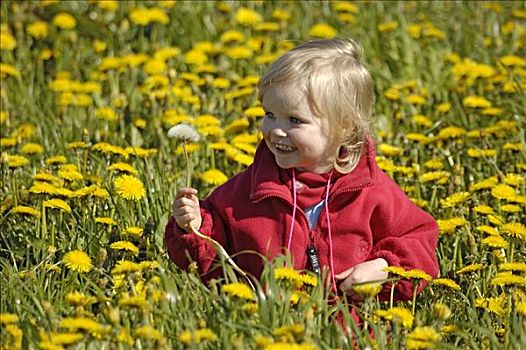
[[183, 132]]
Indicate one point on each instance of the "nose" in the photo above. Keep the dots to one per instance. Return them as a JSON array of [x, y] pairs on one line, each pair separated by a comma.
[[278, 132]]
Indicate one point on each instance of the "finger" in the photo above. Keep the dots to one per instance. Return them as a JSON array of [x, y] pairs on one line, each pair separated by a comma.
[[346, 285], [184, 220], [186, 192], [343, 275], [181, 202]]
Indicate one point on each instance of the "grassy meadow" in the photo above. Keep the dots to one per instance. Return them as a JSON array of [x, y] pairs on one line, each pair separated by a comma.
[[89, 90]]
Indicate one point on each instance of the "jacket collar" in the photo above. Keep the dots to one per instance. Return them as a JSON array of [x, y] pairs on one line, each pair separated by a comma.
[[265, 181]]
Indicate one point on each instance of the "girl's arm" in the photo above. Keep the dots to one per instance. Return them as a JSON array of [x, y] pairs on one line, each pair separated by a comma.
[[185, 248], [404, 235]]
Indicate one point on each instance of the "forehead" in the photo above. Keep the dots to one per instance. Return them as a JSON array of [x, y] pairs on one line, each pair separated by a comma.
[[288, 96]]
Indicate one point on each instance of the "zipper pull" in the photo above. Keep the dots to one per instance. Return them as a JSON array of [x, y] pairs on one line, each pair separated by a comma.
[[313, 258]]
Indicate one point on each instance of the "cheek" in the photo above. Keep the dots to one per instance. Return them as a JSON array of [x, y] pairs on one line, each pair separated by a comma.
[[265, 128]]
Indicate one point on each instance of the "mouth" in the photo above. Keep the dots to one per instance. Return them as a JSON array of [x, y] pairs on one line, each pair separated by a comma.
[[283, 148]]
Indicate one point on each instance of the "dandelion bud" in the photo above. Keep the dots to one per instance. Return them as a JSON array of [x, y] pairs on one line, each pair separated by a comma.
[[101, 257], [442, 311], [113, 315]]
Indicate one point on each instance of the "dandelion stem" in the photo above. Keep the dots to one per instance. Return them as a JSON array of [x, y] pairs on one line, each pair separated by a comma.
[[222, 252], [187, 160]]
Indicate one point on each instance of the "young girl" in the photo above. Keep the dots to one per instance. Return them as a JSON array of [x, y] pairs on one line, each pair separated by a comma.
[[314, 187]]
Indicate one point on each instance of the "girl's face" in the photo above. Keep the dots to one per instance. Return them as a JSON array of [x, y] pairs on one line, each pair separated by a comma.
[[297, 137]]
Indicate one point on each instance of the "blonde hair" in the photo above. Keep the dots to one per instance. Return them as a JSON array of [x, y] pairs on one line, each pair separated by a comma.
[[337, 83]]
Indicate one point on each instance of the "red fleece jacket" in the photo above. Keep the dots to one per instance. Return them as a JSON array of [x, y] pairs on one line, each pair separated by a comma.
[[370, 217]]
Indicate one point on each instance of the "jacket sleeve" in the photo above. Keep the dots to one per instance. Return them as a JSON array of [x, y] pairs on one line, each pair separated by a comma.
[[404, 235], [185, 248]]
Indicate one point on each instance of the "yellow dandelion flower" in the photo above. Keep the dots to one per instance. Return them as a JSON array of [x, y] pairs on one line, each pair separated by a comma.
[[7, 41], [415, 99], [450, 132], [483, 209], [214, 177], [8, 70], [521, 307], [250, 308], [246, 16], [24, 210], [506, 278], [492, 111], [64, 20], [345, 6], [129, 187], [392, 94], [495, 241], [476, 102], [106, 221], [309, 280], [450, 225], [510, 208], [514, 179], [513, 266], [387, 26], [123, 167], [296, 330], [444, 107], [367, 290], [422, 338], [442, 311], [125, 245], [398, 315], [515, 147], [503, 192], [140, 152], [14, 161], [239, 290], [147, 332], [38, 29], [490, 230], [495, 304], [480, 153], [446, 282], [56, 203], [32, 148], [133, 231], [8, 142], [77, 260], [389, 151], [513, 61], [82, 323], [288, 274], [56, 160], [514, 229], [138, 301], [7, 318], [454, 199], [80, 299], [470, 268], [253, 112], [495, 219], [422, 120], [126, 266], [188, 337], [322, 30], [440, 177]]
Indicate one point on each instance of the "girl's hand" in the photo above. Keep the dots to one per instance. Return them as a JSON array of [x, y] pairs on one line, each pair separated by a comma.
[[186, 210], [367, 271]]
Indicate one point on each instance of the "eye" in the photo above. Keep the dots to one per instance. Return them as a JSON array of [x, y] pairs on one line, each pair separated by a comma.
[[269, 115], [294, 120]]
